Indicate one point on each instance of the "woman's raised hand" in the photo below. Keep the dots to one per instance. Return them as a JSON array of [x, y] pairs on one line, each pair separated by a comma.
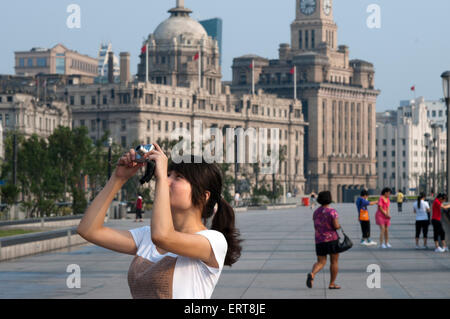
[[161, 162], [127, 167]]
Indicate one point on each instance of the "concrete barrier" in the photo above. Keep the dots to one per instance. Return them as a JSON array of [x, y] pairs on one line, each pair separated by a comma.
[[29, 244], [45, 222]]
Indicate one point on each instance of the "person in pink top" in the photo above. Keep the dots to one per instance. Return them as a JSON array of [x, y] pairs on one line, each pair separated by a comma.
[[383, 217]]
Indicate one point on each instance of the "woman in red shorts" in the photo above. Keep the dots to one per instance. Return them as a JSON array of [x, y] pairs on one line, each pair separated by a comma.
[[383, 217]]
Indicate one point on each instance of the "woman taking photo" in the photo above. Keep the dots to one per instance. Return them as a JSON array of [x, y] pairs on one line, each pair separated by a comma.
[[177, 257], [421, 209], [327, 239], [383, 217]]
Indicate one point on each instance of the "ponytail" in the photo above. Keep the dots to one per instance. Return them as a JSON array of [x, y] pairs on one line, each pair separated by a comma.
[[224, 222], [419, 199]]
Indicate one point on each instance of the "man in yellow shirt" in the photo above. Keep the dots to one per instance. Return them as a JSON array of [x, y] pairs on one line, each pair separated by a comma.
[[400, 197]]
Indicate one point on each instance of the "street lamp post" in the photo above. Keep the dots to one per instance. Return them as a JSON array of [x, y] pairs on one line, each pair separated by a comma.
[[110, 141], [427, 142], [446, 86]]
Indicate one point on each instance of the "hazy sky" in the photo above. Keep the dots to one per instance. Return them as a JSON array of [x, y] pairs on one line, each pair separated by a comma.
[[412, 47]]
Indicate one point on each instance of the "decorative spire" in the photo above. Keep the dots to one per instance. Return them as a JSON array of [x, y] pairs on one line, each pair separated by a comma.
[[180, 10]]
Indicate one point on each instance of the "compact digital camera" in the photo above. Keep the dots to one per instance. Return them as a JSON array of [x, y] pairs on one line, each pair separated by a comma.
[[141, 151]]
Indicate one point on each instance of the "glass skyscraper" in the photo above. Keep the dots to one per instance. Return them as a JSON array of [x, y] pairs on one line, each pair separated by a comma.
[[214, 29]]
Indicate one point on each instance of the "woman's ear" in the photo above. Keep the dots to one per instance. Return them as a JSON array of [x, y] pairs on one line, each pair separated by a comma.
[[207, 195]]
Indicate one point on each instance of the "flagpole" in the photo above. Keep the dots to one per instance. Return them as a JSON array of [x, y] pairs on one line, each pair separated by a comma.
[[253, 77], [146, 62], [200, 68], [295, 83]]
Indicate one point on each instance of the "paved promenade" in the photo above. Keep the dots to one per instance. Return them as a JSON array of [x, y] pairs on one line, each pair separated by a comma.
[[278, 253]]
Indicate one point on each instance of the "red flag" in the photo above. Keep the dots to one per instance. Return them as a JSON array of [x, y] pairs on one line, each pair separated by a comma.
[[197, 56], [144, 49], [413, 88], [251, 65], [293, 70]]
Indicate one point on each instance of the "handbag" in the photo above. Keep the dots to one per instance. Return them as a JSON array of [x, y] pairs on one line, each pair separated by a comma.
[[344, 245], [363, 215]]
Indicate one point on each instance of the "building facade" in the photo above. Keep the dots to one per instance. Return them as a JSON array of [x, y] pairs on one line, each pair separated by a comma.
[[214, 29], [338, 98], [57, 60], [103, 64], [177, 96], [407, 141]]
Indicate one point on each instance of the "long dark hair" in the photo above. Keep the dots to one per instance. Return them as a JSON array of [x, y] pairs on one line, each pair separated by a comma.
[[205, 177], [419, 199]]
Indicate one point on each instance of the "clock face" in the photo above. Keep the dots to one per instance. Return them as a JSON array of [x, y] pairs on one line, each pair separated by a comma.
[[327, 7], [308, 7]]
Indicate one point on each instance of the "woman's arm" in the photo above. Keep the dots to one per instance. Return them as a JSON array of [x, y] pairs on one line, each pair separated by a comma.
[[91, 226], [163, 232], [336, 224]]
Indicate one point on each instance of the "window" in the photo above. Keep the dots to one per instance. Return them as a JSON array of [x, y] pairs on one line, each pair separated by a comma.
[[167, 126], [123, 125], [404, 141], [105, 100], [93, 100], [433, 113], [104, 125], [22, 62], [300, 39], [41, 62], [72, 100], [159, 126], [93, 127], [82, 123], [393, 153], [30, 62], [82, 100], [124, 141], [148, 125], [384, 153], [393, 142], [384, 142]]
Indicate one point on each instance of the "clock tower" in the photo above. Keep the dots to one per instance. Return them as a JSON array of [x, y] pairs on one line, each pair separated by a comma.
[[313, 25]]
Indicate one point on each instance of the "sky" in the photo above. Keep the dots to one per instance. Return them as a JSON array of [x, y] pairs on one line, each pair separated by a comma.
[[411, 47]]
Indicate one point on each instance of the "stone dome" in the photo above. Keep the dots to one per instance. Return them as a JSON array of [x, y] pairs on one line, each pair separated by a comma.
[[175, 26]]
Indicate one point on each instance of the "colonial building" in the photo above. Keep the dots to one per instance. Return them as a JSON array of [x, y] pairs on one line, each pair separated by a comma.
[[57, 60], [407, 141], [184, 86], [338, 98], [23, 109]]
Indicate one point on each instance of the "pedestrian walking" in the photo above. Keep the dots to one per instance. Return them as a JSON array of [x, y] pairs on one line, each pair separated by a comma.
[[400, 198], [313, 199], [421, 209], [139, 209], [383, 217], [438, 230], [327, 239], [364, 219], [237, 199], [177, 256]]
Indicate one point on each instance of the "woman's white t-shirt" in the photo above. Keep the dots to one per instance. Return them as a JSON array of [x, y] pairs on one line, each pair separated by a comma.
[[421, 214], [192, 278]]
